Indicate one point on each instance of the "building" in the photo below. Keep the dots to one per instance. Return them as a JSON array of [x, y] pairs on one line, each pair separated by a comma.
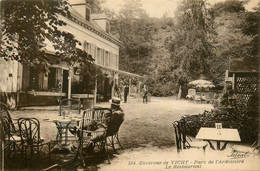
[[23, 86]]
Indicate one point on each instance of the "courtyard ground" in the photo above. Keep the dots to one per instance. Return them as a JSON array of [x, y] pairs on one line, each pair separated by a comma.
[[147, 136]]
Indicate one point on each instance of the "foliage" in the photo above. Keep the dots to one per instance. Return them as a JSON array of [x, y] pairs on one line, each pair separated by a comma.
[[185, 47], [95, 5], [89, 74], [191, 45], [196, 44], [231, 6], [231, 115], [245, 121], [27, 27], [231, 24], [134, 29]]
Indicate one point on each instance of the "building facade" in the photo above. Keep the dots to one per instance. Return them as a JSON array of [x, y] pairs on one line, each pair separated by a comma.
[[22, 85]]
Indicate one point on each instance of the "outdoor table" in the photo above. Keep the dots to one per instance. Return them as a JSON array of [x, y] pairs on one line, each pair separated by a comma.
[[219, 135], [63, 123]]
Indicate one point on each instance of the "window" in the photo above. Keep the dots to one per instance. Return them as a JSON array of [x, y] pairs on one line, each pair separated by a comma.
[[117, 60], [54, 79], [106, 58], [102, 58], [38, 80], [98, 55], [107, 27], [86, 47]]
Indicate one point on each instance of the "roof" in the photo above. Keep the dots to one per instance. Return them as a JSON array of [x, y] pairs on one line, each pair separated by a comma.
[[92, 26], [119, 71], [243, 65], [98, 16]]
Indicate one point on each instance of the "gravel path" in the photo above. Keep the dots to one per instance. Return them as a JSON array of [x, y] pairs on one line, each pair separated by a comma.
[[146, 134]]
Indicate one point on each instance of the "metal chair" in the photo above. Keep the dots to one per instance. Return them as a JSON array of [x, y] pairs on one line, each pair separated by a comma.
[[4, 113], [92, 135], [30, 136], [183, 141], [11, 142], [70, 105]]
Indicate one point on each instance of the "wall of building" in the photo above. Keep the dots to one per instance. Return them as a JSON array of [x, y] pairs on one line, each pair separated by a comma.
[[10, 77], [86, 36]]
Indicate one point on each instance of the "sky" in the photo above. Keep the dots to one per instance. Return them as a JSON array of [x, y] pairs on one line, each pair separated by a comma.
[[156, 8]]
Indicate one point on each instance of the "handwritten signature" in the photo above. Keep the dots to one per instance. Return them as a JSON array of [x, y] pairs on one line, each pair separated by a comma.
[[238, 155]]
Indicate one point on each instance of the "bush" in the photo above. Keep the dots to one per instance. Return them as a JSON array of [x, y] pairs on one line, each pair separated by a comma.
[[245, 121], [162, 90]]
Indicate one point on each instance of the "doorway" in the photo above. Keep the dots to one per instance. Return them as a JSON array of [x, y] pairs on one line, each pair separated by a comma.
[[65, 82]]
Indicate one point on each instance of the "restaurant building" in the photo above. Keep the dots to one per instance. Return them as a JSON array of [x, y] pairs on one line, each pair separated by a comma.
[[22, 85]]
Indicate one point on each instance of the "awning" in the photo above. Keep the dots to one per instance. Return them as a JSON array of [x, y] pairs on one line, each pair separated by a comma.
[[119, 71]]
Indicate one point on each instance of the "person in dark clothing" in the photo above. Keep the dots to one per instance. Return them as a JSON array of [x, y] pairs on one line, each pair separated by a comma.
[[126, 91], [145, 94]]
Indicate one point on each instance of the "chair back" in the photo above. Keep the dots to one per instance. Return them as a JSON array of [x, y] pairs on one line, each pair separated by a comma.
[[5, 114], [29, 130], [6, 128], [182, 139], [102, 115], [88, 117], [192, 92], [177, 136], [98, 115], [70, 105]]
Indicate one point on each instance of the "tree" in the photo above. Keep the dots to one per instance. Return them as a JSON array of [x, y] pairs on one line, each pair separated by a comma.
[[26, 25], [135, 31], [95, 5], [191, 46], [236, 37]]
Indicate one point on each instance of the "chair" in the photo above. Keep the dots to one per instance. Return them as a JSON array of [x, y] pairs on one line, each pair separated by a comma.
[[30, 136], [183, 141], [113, 123], [11, 141], [70, 105], [4, 113], [191, 94], [92, 134], [252, 150]]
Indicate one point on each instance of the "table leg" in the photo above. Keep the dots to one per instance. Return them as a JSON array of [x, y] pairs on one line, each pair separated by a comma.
[[210, 144], [218, 145], [224, 146]]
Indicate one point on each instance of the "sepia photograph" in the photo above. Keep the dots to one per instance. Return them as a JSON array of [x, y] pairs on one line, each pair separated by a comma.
[[114, 85]]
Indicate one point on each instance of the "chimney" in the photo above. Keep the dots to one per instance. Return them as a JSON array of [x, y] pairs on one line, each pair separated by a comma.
[[102, 21], [81, 7]]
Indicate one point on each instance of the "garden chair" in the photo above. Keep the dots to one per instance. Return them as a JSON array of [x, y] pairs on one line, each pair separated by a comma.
[[191, 94], [70, 105], [183, 141], [92, 135], [11, 141], [4, 113], [253, 149], [30, 136]]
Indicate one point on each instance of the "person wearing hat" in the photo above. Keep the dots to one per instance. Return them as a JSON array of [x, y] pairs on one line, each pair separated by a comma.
[[115, 106], [116, 118]]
